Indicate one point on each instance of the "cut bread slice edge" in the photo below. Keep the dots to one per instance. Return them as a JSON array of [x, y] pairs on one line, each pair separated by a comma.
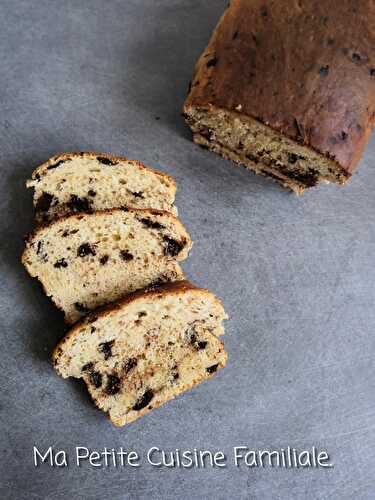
[[256, 146], [159, 342]]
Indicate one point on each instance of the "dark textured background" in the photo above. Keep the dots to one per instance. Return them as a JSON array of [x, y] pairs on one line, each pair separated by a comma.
[[296, 274]]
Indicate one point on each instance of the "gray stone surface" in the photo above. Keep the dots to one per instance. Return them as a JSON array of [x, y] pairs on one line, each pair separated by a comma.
[[296, 274]]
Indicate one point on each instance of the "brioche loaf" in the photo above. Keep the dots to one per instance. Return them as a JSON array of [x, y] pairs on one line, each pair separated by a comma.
[[87, 260], [287, 88], [146, 349], [83, 182]]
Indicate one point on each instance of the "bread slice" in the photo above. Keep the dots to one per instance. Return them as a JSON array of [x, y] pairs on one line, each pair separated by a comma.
[[146, 349], [87, 260], [285, 89], [83, 182]]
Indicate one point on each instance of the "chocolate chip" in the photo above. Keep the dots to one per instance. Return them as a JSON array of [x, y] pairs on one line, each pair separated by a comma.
[[202, 344], [252, 158], [152, 224], [60, 263], [309, 179], [91, 192], [330, 41], [156, 283], [130, 364], [324, 70], [126, 256], [172, 247], [113, 385], [343, 136], [106, 348], [80, 307], [137, 194], [39, 251], [67, 232], [263, 11], [191, 335], [212, 62], [96, 379], [235, 35], [212, 368], [359, 58], [55, 165], [206, 133], [44, 202], [372, 72], [144, 400], [106, 161], [292, 158], [174, 373], [87, 367], [86, 249], [104, 259], [76, 204]]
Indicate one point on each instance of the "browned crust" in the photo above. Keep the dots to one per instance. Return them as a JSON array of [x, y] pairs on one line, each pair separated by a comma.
[[172, 288], [42, 169], [269, 57]]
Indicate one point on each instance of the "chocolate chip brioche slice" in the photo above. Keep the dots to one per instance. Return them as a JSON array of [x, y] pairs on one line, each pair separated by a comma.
[[87, 260], [83, 182], [146, 349]]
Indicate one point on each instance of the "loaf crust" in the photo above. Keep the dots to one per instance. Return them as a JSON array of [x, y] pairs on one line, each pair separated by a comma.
[[304, 68], [185, 340], [87, 260], [89, 181]]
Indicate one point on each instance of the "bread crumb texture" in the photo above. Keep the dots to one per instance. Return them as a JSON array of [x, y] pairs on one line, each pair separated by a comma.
[[88, 260], [137, 354], [86, 182]]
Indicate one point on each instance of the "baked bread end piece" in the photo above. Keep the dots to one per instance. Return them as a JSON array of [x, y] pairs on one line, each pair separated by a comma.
[[287, 90]]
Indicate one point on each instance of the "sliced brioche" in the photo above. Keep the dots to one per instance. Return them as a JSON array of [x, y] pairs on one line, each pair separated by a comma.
[[146, 349], [87, 260], [82, 182]]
